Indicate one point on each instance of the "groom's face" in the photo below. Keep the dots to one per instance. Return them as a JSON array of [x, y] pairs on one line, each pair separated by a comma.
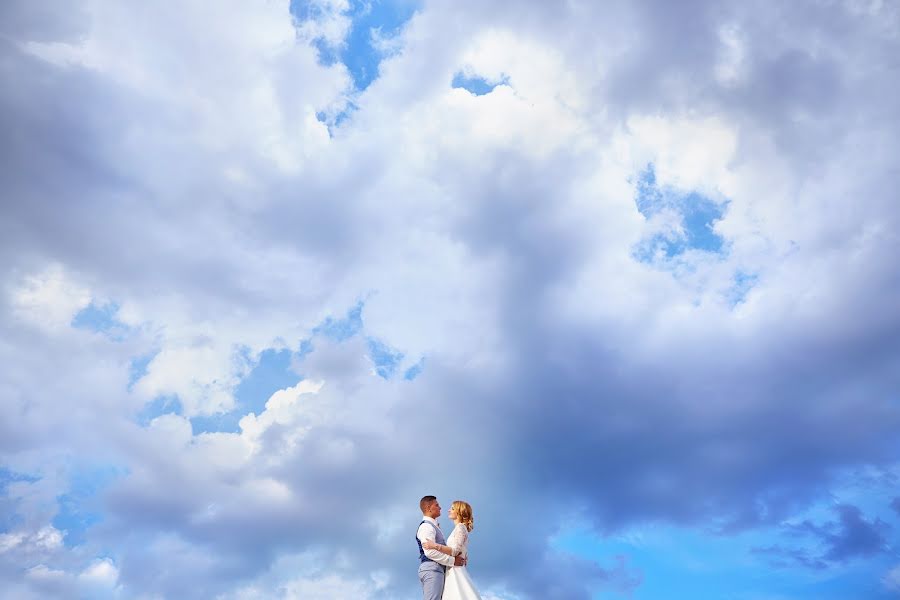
[[434, 511]]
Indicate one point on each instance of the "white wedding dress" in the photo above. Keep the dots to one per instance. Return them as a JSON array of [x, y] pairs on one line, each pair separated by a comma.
[[457, 583]]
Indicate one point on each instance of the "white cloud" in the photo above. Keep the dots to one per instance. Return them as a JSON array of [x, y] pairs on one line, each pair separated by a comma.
[[284, 408], [891, 579], [49, 299], [688, 154], [327, 20], [9, 541], [325, 587], [41, 542], [100, 573], [201, 374], [44, 573]]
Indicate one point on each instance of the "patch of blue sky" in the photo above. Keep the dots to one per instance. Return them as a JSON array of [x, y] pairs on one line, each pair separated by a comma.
[[700, 215], [476, 85], [138, 368], [218, 423], [8, 517], [685, 563], [658, 247], [274, 371], [415, 370], [335, 121], [385, 358], [649, 198], [743, 282], [159, 406], [271, 373], [101, 318], [81, 506], [363, 49], [373, 20], [873, 492], [8, 476], [340, 330], [305, 347], [74, 519], [696, 214]]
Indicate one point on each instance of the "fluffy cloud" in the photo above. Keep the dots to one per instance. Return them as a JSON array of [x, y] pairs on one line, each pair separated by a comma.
[[892, 579]]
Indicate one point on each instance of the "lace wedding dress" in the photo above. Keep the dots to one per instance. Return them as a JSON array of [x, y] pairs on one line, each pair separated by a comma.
[[457, 583]]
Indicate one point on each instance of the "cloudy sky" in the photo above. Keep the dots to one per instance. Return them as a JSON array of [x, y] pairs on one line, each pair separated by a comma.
[[622, 274]]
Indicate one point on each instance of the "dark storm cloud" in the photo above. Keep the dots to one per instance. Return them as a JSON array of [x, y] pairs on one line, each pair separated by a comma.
[[751, 427], [852, 536], [43, 20]]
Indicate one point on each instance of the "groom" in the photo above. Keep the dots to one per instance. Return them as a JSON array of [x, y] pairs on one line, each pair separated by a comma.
[[432, 563]]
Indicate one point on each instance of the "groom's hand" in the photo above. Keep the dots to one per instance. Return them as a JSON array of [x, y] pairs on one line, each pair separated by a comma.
[[459, 561]]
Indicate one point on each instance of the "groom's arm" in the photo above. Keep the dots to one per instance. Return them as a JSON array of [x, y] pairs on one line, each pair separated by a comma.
[[426, 532]]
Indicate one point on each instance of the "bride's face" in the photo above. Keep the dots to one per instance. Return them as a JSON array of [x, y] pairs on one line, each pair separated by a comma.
[[452, 514]]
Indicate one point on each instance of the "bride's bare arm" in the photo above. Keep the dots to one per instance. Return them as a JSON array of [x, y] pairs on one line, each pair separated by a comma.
[[428, 545]]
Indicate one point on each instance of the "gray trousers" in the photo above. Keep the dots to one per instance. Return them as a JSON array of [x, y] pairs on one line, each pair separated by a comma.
[[432, 581]]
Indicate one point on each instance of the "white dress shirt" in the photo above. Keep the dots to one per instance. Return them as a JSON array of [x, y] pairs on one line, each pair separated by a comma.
[[426, 532]]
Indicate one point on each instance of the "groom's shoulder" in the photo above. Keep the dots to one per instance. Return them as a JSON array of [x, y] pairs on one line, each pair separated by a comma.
[[425, 523]]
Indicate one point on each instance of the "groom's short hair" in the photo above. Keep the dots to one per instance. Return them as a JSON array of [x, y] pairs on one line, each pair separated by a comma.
[[426, 501]]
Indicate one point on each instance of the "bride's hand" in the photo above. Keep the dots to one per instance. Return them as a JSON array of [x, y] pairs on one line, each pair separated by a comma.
[[429, 545]]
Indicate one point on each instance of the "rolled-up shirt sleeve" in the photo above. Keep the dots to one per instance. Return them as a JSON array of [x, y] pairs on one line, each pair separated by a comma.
[[426, 532]]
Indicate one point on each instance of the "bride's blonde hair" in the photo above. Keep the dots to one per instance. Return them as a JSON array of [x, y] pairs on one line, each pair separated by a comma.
[[464, 513]]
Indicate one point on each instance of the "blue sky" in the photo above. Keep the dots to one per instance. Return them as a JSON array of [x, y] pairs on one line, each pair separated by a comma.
[[619, 274]]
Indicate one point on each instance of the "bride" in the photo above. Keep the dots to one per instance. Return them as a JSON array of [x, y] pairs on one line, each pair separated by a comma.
[[457, 583]]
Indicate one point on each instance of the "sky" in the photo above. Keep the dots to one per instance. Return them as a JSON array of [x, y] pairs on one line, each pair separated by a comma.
[[621, 274]]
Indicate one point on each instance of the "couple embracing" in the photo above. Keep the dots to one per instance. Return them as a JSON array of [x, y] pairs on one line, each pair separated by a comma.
[[442, 562]]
